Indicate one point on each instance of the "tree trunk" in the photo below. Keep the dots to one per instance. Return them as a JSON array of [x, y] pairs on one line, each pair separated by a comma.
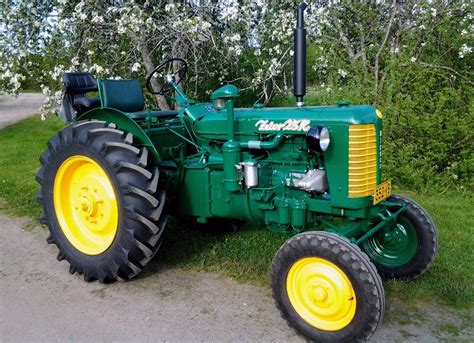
[[160, 99], [148, 63], [179, 50]]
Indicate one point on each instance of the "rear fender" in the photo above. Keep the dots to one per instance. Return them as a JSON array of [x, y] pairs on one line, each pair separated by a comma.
[[123, 122]]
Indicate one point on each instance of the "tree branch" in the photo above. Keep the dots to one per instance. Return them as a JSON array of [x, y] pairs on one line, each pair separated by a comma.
[[451, 70], [388, 29], [343, 38]]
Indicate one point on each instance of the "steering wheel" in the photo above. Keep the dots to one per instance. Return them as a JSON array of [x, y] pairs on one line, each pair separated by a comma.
[[165, 71]]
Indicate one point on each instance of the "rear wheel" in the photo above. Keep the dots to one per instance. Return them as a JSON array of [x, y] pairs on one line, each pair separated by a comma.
[[327, 288], [407, 249], [101, 201]]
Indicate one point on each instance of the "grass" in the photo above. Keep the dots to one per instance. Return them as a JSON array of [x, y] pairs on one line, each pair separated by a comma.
[[20, 147], [247, 255]]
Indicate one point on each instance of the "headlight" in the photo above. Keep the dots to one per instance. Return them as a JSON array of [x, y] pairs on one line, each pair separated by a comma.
[[219, 103], [318, 138]]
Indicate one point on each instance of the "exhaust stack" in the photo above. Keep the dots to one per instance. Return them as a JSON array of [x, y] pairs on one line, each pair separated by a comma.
[[299, 63]]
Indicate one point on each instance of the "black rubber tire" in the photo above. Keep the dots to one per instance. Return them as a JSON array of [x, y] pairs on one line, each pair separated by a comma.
[[140, 202], [427, 243], [353, 262]]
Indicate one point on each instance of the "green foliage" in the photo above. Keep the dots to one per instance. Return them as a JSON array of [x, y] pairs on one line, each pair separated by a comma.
[[412, 59], [428, 135], [422, 82], [247, 254], [428, 139]]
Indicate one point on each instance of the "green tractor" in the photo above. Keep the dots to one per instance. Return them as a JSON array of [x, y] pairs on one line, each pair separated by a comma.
[[110, 178]]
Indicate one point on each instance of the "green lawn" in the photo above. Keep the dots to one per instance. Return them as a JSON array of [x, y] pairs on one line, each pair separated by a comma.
[[247, 255]]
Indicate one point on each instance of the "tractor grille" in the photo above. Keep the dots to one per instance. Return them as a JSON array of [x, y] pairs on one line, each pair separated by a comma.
[[362, 160]]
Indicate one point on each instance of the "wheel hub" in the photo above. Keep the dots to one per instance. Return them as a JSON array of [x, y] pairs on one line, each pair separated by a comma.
[[321, 293], [394, 245], [85, 204], [89, 206]]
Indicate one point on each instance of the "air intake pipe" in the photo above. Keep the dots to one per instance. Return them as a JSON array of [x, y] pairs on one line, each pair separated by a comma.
[[299, 72]]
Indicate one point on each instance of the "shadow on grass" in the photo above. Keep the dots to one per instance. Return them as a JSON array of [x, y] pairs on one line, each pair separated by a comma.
[[244, 255]]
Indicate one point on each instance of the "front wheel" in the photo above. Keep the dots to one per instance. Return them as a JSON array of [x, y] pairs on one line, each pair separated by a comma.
[[409, 248], [327, 288]]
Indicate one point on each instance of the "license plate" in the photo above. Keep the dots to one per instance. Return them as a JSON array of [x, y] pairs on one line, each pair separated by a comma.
[[382, 191]]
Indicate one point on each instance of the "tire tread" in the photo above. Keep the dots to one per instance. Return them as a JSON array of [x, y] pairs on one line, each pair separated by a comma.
[[144, 221], [352, 255]]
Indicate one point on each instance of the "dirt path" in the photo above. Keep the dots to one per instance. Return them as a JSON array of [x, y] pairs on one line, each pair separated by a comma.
[[13, 109], [41, 301]]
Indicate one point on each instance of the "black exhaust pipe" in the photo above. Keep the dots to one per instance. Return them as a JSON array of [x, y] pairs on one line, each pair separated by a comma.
[[299, 72]]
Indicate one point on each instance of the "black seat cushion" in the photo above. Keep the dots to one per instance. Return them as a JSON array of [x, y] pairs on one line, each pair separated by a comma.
[[79, 83], [87, 103]]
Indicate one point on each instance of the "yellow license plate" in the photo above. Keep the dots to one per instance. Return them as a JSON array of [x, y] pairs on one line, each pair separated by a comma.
[[382, 191]]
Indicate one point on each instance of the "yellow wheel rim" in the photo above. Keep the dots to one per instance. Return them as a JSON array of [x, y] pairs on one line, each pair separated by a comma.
[[85, 205], [321, 293]]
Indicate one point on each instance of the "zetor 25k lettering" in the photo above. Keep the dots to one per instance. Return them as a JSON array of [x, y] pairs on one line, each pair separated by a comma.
[[288, 125], [108, 179]]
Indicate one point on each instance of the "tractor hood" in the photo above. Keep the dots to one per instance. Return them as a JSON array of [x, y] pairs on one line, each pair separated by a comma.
[[210, 123]]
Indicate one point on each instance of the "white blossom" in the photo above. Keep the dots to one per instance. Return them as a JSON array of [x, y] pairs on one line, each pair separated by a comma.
[[342, 73], [169, 7], [44, 89], [464, 50], [97, 19], [275, 67], [233, 38], [15, 81], [229, 10], [136, 67], [75, 61], [57, 72], [96, 69]]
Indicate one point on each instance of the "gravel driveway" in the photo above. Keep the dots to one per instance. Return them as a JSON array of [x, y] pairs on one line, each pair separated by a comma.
[[41, 301], [13, 109]]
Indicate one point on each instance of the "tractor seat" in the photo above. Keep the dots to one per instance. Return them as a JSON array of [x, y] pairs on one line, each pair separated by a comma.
[[92, 102], [127, 96], [77, 85]]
